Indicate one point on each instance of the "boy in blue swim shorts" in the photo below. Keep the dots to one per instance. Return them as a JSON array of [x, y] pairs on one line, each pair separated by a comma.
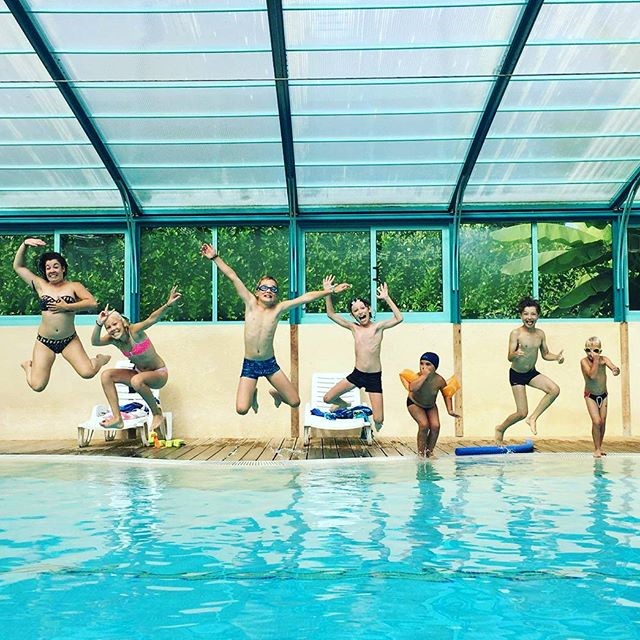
[[262, 311]]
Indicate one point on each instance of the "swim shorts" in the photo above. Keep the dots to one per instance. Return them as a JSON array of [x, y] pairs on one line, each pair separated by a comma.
[[598, 398], [371, 382], [258, 368], [517, 378]]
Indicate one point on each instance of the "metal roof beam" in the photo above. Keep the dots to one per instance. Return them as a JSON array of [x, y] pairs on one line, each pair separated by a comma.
[[518, 42], [279, 55], [618, 200], [64, 84]]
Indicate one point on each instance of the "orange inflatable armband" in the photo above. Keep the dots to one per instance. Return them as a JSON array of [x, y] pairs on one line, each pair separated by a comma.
[[453, 384], [407, 377]]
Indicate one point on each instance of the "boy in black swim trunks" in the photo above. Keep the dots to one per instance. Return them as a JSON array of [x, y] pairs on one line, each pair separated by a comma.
[[367, 335], [421, 402], [594, 369], [524, 344]]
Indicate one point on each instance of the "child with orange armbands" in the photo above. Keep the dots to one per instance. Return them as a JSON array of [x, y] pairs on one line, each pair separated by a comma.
[[423, 388]]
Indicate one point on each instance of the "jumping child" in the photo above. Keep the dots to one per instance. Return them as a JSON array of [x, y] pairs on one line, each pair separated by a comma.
[[524, 344], [367, 337], [149, 372], [594, 369], [421, 402], [262, 311]]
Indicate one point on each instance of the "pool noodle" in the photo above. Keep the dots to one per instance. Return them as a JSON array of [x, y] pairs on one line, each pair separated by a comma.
[[525, 447]]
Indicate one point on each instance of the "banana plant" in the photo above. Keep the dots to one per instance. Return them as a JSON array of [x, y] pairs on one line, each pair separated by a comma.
[[581, 252]]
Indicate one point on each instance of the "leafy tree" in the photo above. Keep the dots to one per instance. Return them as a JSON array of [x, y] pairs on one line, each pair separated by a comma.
[[410, 262], [486, 291], [252, 252], [16, 298], [170, 256], [97, 260]]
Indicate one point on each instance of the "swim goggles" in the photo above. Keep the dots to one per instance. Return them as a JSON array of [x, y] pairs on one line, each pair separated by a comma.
[[266, 287]]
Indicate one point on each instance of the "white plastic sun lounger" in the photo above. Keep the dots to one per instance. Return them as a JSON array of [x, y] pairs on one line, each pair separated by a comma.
[[140, 419], [320, 384]]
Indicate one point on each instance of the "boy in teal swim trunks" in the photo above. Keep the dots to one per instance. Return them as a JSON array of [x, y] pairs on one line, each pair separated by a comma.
[[594, 369], [524, 344], [262, 311]]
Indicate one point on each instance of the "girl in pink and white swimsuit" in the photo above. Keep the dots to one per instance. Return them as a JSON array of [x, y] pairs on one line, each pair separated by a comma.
[[149, 372]]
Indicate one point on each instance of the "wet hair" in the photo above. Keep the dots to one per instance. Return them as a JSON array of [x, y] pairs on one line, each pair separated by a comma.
[[51, 255], [267, 277], [364, 301], [528, 302], [593, 340]]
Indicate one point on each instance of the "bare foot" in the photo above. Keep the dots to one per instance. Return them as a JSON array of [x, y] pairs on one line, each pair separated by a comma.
[[499, 436], [254, 402], [277, 398], [597, 454], [378, 425], [532, 425], [158, 425], [339, 403], [26, 365], [112, 423], [101, 360]]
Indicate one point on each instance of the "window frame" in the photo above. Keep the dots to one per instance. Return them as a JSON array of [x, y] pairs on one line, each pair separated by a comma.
[[373, 229]]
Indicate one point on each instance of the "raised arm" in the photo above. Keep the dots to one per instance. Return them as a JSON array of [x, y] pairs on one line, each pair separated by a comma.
[[98, 340], [209, 252], [19, 265], [383, 294], [311, 296], [327, 284], [154, 316]]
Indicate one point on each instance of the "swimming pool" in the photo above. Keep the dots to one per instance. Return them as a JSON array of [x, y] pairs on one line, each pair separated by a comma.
[[527, 547]]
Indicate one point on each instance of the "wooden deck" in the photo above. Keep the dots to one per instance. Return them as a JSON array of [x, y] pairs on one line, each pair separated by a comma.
[[255, 450]]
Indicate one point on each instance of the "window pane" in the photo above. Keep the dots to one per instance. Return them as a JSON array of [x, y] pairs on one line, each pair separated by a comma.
[[16, 297], [97, 261], [633, 245], [347, 256], [410, 262], [252, 252], [495, 269], [169, 256], [575, 273]]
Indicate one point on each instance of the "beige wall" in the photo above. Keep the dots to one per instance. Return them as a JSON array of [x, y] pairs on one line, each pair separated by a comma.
[[204, 363]]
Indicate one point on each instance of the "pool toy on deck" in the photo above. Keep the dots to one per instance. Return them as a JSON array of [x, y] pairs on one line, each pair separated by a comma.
[[525, 447]]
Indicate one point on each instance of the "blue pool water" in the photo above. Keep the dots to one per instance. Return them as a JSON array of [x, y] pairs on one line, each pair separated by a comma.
[[523, 547]]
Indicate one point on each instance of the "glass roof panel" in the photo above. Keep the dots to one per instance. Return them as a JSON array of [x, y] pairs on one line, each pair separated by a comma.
[[372, 195], [414, 58], [207, 198], [153, 76], [57, 198], [46, 159], [575, 98], [590, 192]]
